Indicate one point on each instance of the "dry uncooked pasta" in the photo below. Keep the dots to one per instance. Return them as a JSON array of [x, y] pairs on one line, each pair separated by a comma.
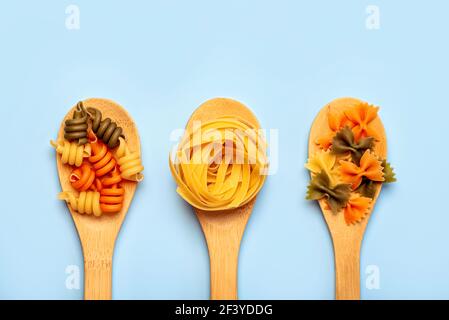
[[112, 193], [220, 164], [82, 178], [346, 171], [102, 159], [130, 162], [71, 153], [336, 120], [324, 161], [108, 198], [96, 171], [86, 203], [370, 167], [360, 117], [75, 129], [105, 129], [356, 209]]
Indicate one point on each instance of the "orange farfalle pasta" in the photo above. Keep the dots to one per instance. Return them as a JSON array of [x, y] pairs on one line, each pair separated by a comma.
[[361, 117], [83, 177], [346, 170], [102, 159], [356, 209], [336, 120], [370, 167], [112, 193]]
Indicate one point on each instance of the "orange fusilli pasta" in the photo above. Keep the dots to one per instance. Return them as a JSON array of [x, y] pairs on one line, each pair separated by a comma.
[[102, 159], [112, 193], [83, 177]]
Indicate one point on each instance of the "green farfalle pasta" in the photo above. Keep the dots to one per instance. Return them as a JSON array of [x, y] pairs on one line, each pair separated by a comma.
[[320, 187], [389, 174], [367, 188], [344, 142]]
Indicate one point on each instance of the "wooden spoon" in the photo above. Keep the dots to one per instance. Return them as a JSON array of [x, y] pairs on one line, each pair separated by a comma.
[[346, 239], [223, 230], [98, 234]]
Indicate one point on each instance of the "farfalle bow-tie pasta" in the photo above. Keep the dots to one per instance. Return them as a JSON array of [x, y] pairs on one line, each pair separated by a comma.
[[347, 169], [220, 164], [97, 152]]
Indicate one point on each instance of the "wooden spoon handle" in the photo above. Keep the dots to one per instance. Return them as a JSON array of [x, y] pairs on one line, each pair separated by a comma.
[[98, 279], [347, 272], [223, 255], [98, 268], [223, 233]]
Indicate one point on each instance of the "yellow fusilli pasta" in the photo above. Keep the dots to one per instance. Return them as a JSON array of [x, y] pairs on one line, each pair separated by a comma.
[[130, 163], [86, 203], [71, 153]]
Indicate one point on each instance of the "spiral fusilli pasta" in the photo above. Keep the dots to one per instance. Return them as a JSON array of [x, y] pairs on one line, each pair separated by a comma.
[[76, 128], [91, 147], [112, 193], [220, 164], [105, 129], [102, 159], [82, 178], [86, 203], [130, 162], [71, 153]]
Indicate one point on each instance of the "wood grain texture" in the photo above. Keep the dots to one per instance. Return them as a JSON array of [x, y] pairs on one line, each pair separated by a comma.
[[346, 239], [224, 230], [98, 234]]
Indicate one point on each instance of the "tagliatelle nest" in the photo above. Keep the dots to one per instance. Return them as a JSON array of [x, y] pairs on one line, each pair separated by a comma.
[[220, 164]]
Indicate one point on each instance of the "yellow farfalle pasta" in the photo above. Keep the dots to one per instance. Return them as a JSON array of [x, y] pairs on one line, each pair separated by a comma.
[[324, 161], [220, 164], [130, 163], [71, 153], [85, 203]]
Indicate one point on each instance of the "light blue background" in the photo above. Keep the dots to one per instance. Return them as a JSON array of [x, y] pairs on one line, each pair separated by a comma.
[[285, 60]]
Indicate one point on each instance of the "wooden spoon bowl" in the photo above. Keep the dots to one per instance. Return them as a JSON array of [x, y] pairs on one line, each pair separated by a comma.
[[223, 230], [346, 239], [98, 234]]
